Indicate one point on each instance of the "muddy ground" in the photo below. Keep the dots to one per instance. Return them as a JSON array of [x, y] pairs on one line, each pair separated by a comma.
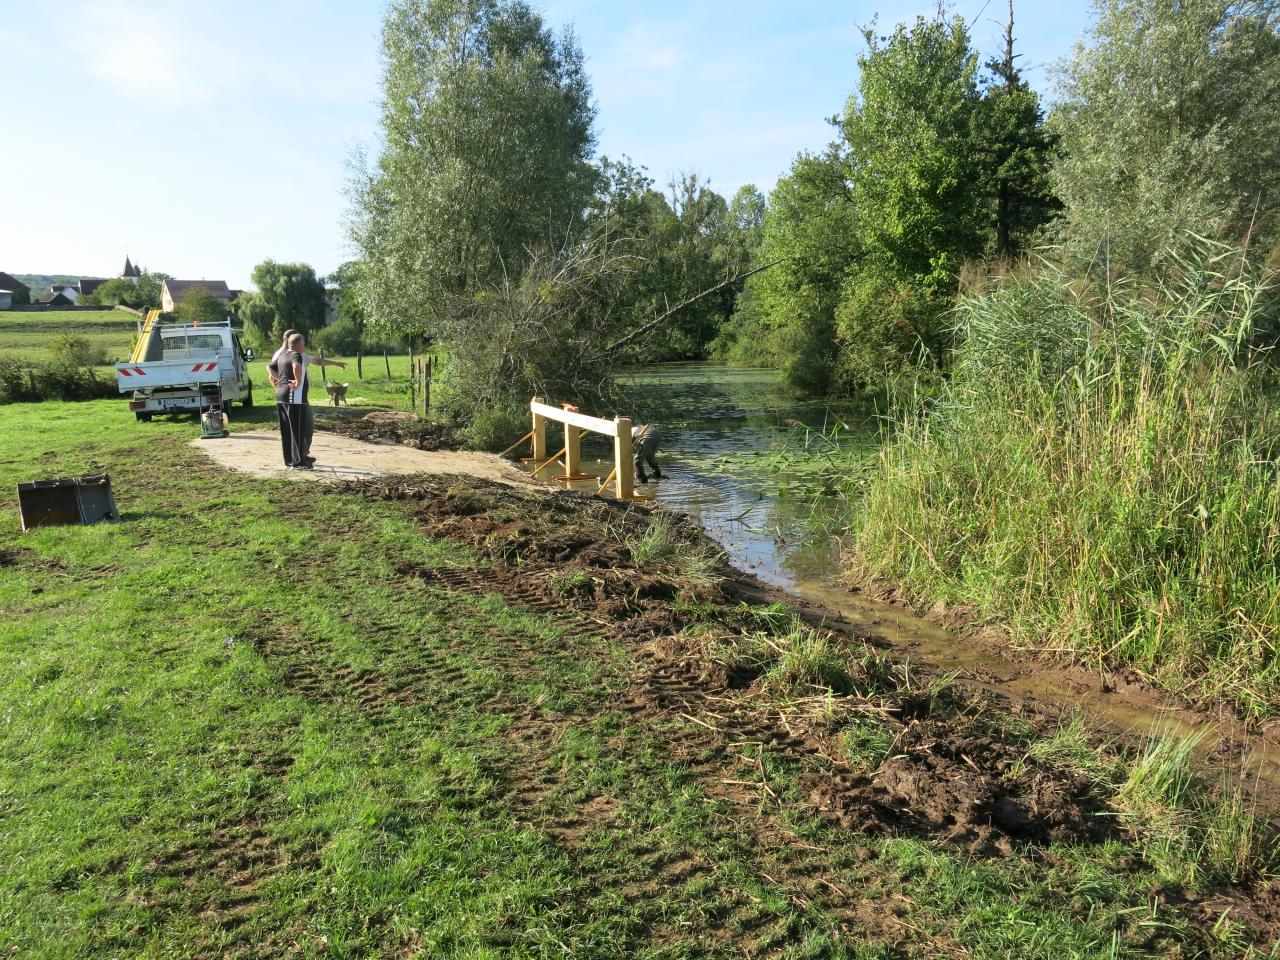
[[955, 769], [390, 426]]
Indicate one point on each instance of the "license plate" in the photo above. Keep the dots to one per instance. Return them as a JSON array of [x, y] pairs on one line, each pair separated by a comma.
[[175, 404]]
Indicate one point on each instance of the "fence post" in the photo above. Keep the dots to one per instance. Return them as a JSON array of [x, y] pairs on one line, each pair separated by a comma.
[[624, 480], [539, 451], [426, 389], [387, 361], [324, 371], [359, 365], [413, 382]]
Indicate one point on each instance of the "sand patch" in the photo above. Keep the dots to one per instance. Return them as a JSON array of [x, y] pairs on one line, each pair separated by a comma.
[[257, 453]]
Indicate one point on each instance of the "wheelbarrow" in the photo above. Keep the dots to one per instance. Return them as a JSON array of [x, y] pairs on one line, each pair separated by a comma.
[[56, 503]]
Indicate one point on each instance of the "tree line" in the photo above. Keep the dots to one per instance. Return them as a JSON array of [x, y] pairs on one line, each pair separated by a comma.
[[486, 219]]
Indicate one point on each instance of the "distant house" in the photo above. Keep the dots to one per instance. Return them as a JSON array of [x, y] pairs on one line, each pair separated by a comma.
[[173, 291], [57, 298], [18, 291], [130, 271], [87, 286], [330, 306], [6, 299]]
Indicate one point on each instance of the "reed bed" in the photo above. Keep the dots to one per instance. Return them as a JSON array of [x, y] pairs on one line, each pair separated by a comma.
[[1099, 476]]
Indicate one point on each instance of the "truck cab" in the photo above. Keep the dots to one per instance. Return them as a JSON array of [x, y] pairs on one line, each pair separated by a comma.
[[185, 367]]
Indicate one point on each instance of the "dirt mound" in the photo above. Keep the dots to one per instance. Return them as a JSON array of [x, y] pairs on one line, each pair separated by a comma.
[[387, 426]]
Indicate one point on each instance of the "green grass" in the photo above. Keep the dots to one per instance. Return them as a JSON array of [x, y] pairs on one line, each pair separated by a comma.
[[1098, 476], [232, 727], [27, 334]]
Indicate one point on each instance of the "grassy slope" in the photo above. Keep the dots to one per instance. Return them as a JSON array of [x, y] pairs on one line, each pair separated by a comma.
[[27, 334], [230, 728]]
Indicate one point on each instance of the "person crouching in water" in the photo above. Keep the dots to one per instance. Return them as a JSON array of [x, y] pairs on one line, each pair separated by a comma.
[[644, 440]]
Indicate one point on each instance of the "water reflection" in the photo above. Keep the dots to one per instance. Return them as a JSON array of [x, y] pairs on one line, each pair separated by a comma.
[[726, 432]]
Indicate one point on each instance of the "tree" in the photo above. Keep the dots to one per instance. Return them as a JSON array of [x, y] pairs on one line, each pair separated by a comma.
[[262, 328], [113, 292], [293, 293], [1170, 123], [145, 294], [346, 278], [789, 313], [487, 132], [910, 146], [1017, 151], [198, 306]]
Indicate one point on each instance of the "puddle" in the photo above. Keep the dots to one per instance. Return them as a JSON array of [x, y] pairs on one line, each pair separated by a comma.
[[750, 464]]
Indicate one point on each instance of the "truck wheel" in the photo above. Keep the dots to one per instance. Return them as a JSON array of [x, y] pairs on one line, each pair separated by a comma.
[[143, 416]]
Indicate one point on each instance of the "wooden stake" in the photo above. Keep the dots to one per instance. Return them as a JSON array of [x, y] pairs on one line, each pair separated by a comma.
[[539, 435], [426, 389], [603, 486], [359, 365], [624, 477], [546, 463], [324, 371], [516, 444], [387, 361]]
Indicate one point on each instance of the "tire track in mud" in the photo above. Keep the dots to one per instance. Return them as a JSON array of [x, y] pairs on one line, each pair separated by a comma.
[[709, 760], [537, 793]]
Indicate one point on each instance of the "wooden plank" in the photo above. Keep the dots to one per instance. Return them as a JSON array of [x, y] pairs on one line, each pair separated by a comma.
[[624, 480], [595, 424]]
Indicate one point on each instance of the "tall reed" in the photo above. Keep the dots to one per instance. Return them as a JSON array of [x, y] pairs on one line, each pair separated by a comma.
[[1099, 476]]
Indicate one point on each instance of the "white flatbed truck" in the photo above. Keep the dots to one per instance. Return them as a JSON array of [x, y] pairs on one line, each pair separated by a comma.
[[185, 367]]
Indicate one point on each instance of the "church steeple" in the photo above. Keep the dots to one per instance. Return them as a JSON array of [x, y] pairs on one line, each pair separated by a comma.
[[130, 270]]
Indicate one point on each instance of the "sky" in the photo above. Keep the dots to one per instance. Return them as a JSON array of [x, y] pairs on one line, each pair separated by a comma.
[[200, 138]]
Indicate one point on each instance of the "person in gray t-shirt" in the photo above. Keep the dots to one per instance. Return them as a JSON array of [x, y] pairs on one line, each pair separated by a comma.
[[308, 415], [290, 380]]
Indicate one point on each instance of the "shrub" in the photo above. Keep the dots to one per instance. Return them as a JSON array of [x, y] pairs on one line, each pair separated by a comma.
[[496, 428], [22, 382], [341, 339], [1098, 475], [77, 350]]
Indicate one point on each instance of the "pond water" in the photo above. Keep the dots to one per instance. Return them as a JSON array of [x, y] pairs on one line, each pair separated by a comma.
[[760, 469]]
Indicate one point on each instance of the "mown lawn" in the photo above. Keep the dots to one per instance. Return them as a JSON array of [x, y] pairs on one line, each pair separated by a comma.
[[233, 725]]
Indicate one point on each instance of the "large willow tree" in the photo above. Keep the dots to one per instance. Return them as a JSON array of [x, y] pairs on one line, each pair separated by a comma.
[[485, 154], [1170, 125]]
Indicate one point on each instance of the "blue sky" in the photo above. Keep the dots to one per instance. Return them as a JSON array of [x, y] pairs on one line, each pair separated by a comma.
[[203, 137]]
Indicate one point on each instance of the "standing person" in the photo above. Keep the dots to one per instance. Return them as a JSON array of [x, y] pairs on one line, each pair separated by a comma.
[[308, 415], [645, 439], [290, 380]]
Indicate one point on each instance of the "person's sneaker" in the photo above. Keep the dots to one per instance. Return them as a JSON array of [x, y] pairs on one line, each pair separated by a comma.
[[309, 460], [300, 466], [642, 479]]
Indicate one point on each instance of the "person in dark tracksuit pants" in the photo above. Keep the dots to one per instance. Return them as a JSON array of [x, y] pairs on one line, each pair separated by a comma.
[[308, 361], [291, 397], [645, 441]]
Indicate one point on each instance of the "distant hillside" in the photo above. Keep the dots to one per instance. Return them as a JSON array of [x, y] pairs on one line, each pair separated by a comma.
[[41, 282]]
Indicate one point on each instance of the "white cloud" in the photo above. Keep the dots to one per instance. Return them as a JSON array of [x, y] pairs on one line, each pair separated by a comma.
[[147, 53]]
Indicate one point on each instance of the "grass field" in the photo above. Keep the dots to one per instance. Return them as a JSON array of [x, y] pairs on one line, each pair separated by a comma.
[[28, 334], [264, 719]]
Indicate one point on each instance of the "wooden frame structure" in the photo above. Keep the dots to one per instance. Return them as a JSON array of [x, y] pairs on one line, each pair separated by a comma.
[[623, 475]]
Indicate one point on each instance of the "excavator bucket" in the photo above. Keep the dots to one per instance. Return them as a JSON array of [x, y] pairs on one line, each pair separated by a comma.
[[55, 503]]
